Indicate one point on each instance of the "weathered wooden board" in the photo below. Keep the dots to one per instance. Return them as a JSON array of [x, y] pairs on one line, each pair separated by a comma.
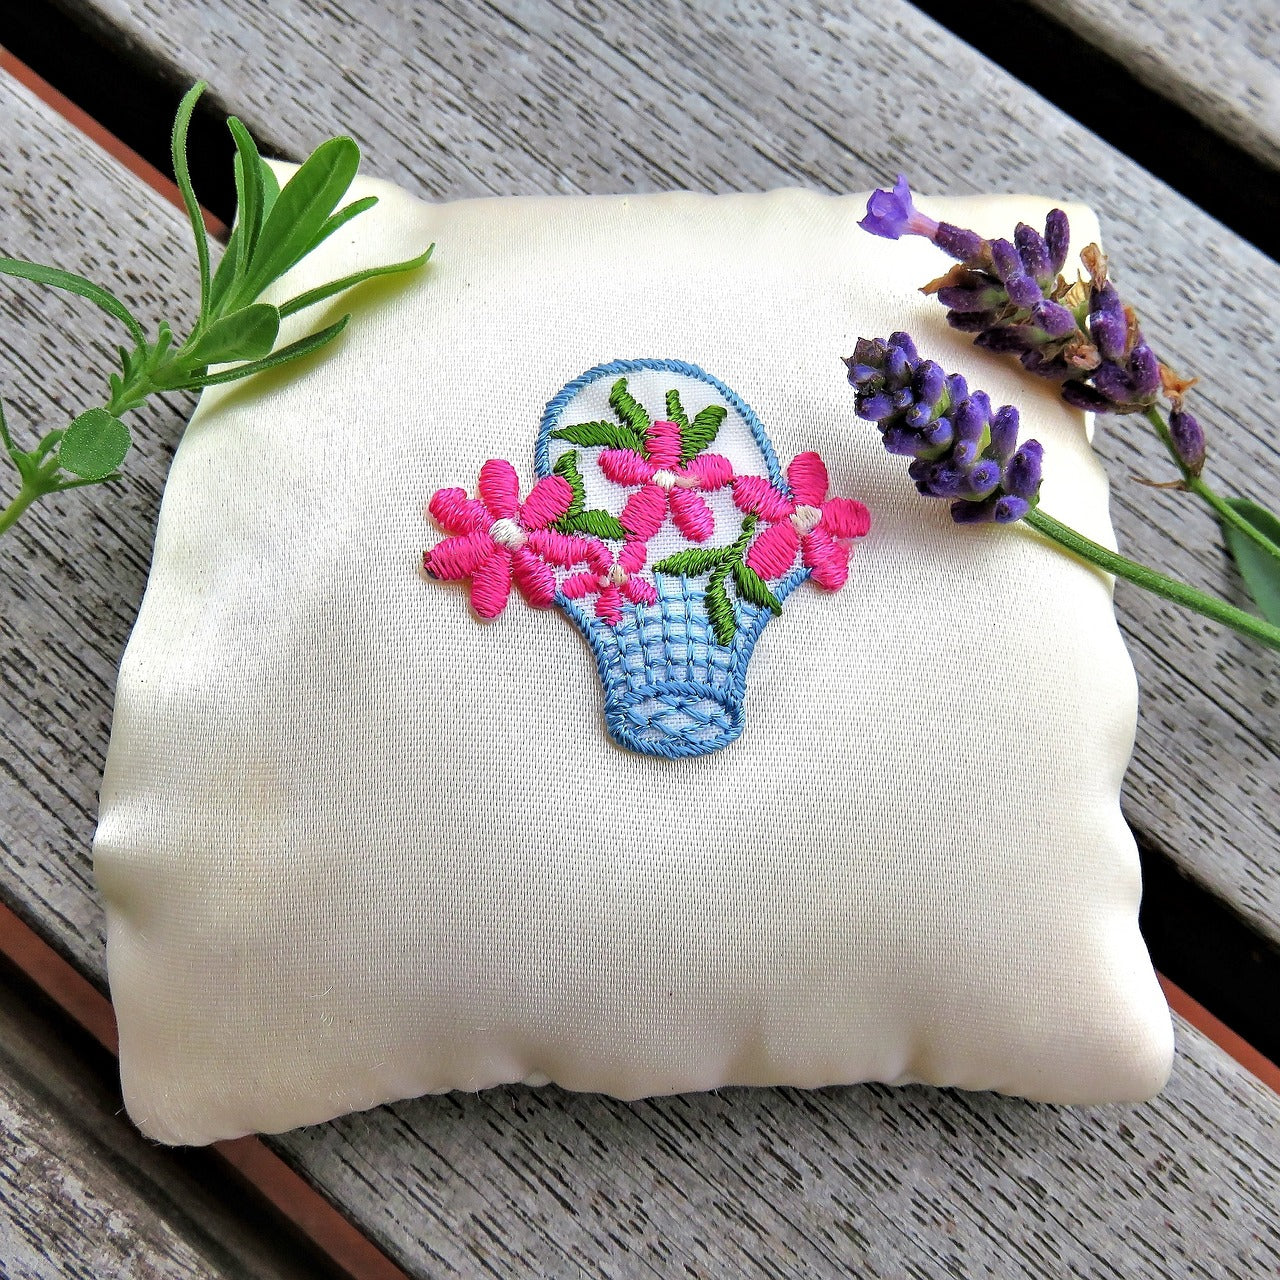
[[911, 1182], [455, 99], [83, 1195], [1219, 61]]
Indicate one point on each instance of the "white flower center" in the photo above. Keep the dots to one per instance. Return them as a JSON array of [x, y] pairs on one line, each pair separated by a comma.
[[506, 533], [664, 479], [617, 575], [804, 519]]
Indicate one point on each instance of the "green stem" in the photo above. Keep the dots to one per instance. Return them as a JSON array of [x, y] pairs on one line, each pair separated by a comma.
[[25, 497], [1201, 488], [1158, 583]]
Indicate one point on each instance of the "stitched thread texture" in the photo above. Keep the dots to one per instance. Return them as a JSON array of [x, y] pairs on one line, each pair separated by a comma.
[[671, 645]]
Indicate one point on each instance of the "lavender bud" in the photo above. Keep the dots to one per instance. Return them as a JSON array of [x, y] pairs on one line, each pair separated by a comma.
[[940, 435], [1023, 290], [898, 366], [1115, 384], [1057, 237], [1145, 370], [957, 388], [1034, 253], [1188, 440], [959, 243], [1080, 395], [967, 298], [875, 408], [1108, 325], [1005, 341], [902, 341], [1004, 431], [930, 382], [971, 418], [1007, 259], [899, 440], [965, 453], [972, 321], [1022, 475], [983, 478], [972, 512], [1053, 319], [918, 416], [1008, 509]]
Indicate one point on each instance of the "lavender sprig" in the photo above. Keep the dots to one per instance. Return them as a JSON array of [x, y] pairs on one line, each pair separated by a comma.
[[965, 451], [962, 450], [1011, 295]]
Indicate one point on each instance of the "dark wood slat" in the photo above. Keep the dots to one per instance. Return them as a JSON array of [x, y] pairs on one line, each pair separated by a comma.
[[82, 1194], [1221, 62]]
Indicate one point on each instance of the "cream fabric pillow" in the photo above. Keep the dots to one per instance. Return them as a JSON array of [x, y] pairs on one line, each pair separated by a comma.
[[357, 846]]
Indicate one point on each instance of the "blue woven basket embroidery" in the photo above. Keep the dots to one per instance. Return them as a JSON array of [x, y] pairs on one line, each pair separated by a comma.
[[670, 687]]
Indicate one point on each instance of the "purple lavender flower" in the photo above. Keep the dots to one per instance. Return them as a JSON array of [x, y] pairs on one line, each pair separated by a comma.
[[961, 449], [1011, 296], [892, 214]]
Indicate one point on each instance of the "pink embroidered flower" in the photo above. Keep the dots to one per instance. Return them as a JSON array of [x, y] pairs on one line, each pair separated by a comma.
[[498, 539], [666, 484], [808, 522], [614, 582]]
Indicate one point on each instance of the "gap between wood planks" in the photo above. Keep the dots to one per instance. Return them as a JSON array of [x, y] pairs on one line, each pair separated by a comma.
[[1167, 898]]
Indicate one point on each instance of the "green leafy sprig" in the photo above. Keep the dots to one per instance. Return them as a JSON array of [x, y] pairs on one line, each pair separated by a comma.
[[723, 563], [275, 228]]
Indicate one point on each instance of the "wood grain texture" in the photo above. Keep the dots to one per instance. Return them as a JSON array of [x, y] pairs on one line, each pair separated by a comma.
[[84, 1196], [517, 96], [1219, 61], [777, 1183]]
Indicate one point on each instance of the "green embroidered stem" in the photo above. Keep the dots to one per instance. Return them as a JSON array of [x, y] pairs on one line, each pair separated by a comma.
[[1150, 580], [720, 562]]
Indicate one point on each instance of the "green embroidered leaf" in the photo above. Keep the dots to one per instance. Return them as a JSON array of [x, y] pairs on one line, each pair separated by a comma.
[[720, 610], [675, 411], [701, 431], [753, 588], [94, 445], [600, 524], [694, 562], [567, 468], [629, 410], [1259, 569], [607, 434]]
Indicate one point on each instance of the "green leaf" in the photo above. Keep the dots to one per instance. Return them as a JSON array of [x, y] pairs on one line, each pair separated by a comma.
[[720, 610], [600, 524], [72, 283], [270, 189], [248, 334], [701, 431], [248, 167], [294, 351], [694, 562], [300, 213], [753, 588], [94, 445], [342, 217], [567, 468], [1259, 569], [629, 410], [321, 292], [7, 440], [181, 123], [607, 434], [675, 411]]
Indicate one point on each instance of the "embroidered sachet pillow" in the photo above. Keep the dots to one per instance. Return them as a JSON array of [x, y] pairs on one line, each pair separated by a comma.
[[555, 681]]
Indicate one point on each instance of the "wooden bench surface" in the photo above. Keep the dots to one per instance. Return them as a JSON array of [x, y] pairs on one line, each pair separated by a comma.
[[1217, 60], [769, 1182]]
